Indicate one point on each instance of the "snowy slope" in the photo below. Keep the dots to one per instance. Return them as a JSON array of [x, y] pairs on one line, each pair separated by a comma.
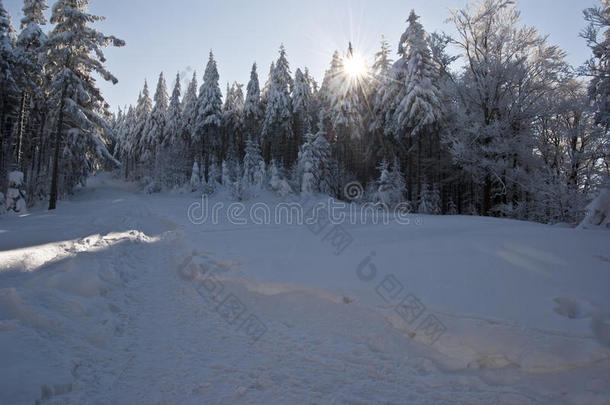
[[118, 297]]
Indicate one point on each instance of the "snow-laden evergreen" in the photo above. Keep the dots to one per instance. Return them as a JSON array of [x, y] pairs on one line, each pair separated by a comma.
[[209, 114], [277, 126], [232, 119], [253, 107], [301, 107], [597, 34], [176, 142], [155, 131], [73, 52], [253, 166], [391, 186]]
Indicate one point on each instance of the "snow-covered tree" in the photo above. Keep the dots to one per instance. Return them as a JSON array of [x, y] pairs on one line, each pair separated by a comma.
[[8, 85], [195, 177], [376, 146], [209, 113], [232, 120], [253, 108], [73, 53], [597, 35], [254, 166], [390, 184], [302, 105], [415, 104], [267, 85], [508, 70], [418, 103], [277, 127], [225, 176], [154, 132], [28, 50], [15, 195], [213, 175], [174, 128], [189, 115], [429, 201], [598, 211], [277, 182], [315, 165], [308, 164], [176, 141]]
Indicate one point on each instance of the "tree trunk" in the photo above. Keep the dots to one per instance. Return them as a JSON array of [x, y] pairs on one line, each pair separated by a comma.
[[487, 197], [419, 174], [60, 123], [21, 127]]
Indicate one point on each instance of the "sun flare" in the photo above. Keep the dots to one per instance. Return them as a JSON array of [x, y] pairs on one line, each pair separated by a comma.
[[354, 66]]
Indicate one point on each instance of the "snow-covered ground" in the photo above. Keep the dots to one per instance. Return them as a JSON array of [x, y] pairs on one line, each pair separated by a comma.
[[121, 297]]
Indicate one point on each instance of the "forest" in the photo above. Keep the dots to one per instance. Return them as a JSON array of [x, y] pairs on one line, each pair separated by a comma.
[[492, 121]]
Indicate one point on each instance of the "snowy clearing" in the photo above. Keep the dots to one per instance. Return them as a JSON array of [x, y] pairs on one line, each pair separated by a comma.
[[117, 297]]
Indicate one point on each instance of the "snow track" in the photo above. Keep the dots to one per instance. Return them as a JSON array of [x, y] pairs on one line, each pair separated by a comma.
[[115, 298]]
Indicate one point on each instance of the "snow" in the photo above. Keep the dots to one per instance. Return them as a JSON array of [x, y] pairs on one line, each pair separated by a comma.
[[15, 178], [116, 297], [598, 211]]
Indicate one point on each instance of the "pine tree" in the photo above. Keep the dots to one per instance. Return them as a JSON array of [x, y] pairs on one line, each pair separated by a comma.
[[277, 127], [73, 52], [377, 146], [315, 164], [8, 87], [302, 105], [254, 166], [308, 163], [597, 35], [267, 85], [390, 184], [189, 116], [417, 103], [27, 58], [213, 175], [154, 132], [429, 200], [253, 108], [142, 114], [232, 123], [209, 113], [277, 182], [176, 141], [174, 124], [195, 178]]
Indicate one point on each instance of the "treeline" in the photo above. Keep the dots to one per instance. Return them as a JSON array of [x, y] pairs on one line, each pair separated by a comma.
[[515, 131]]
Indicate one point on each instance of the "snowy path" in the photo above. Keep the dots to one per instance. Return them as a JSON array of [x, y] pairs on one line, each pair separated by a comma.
[[106, 312]]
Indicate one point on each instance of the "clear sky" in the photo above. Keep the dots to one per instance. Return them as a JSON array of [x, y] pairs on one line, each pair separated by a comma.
[[176, 36]]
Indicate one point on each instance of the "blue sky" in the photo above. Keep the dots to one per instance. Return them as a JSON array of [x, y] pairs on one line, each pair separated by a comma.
[[176, 36]]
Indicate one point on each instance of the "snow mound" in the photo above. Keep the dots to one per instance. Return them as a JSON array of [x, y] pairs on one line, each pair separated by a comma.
[[598, 211]]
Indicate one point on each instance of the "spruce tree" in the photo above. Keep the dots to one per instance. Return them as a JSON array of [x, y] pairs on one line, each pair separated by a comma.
[[302, 104], [597, 35], [417, 103], [8, 88], [277, 127], [176, 140], [209, 113], [73, 53], [253, 108], [27, 54], [154, 132]]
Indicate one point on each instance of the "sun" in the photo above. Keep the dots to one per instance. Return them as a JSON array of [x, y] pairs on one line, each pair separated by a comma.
[[354, 66]]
